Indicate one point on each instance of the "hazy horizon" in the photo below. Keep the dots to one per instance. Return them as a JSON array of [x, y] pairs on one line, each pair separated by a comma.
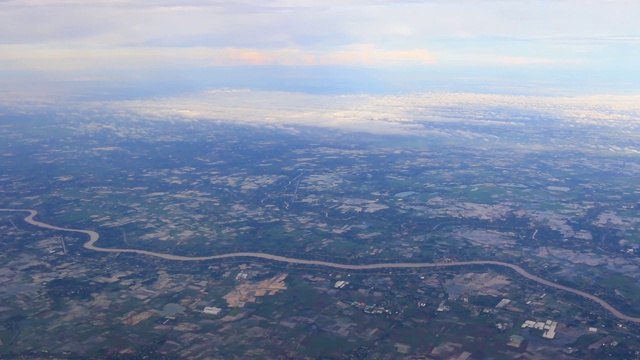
[[118, 50]]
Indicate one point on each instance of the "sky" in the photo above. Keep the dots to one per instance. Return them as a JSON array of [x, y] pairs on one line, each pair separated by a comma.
[[126, 49]]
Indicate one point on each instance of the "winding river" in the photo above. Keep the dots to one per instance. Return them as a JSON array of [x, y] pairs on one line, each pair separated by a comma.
[[94, 236]]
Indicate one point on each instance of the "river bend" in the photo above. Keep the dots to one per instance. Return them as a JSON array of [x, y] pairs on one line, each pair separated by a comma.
[[94, 236]]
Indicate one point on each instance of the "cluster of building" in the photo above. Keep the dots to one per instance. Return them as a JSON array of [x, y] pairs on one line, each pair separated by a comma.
[[549, 327], [370, 309]]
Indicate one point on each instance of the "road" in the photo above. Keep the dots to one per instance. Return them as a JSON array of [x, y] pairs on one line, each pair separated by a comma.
[[94, 236]]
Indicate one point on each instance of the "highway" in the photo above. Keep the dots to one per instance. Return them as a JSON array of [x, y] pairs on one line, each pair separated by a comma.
[[94, 236]]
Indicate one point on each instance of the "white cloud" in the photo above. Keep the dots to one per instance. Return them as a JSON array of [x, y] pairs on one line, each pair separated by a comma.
[[402, 114], [88, 59], [309, 23], [51, 36]]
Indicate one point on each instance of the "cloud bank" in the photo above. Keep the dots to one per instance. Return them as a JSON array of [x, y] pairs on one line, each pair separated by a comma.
[[561, 42], [414, 114]]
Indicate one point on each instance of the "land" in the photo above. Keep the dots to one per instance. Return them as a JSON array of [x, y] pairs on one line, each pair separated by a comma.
[[444, 247], [240, 296]]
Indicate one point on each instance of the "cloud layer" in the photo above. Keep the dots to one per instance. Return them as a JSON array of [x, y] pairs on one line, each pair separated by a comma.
[[413, 115], [66, 39]]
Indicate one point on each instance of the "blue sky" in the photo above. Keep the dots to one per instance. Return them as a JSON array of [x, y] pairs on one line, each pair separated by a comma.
[[140, 48]]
